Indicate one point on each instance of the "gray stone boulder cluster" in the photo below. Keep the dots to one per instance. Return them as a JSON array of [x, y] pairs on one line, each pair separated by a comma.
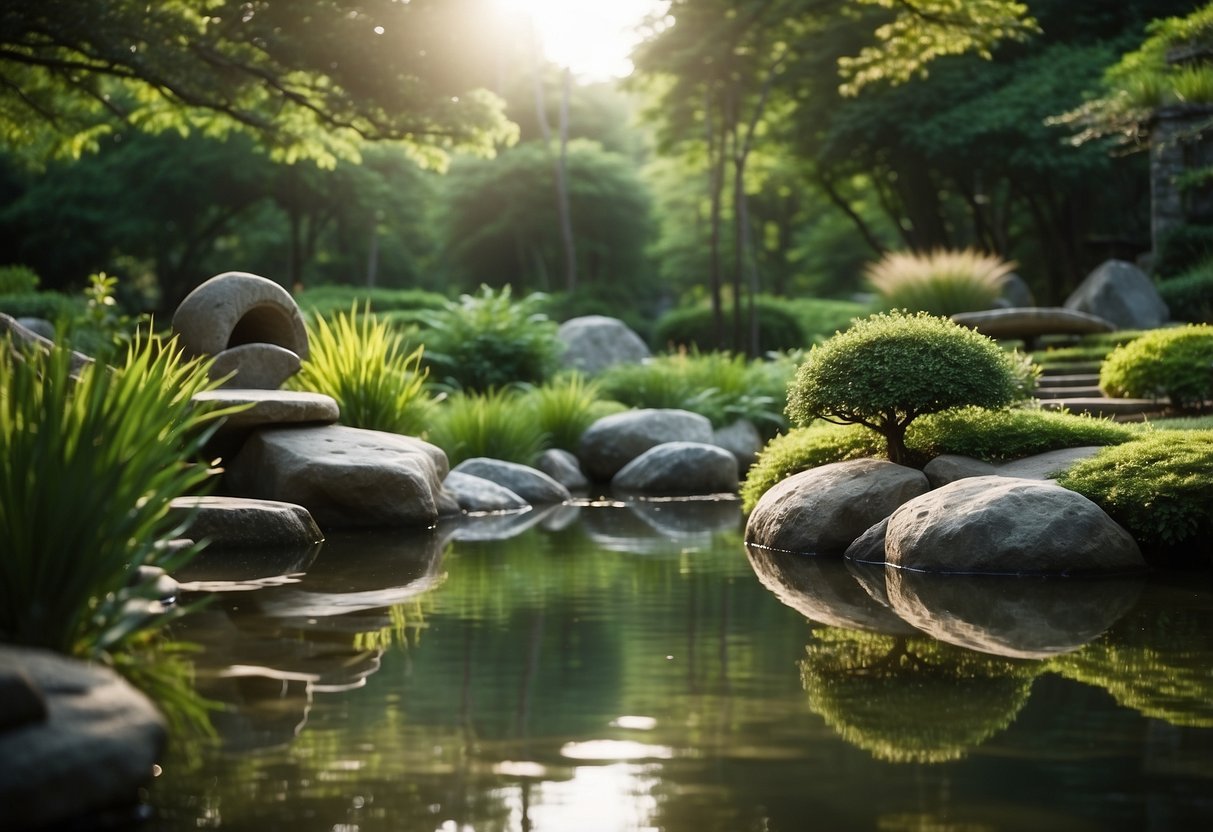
[[874, 511]]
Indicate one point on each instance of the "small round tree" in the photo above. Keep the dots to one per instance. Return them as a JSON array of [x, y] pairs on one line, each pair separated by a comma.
[[889, 369]]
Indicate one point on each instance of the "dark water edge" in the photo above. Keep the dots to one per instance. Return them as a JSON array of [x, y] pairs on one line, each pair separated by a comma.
[[632, 667]]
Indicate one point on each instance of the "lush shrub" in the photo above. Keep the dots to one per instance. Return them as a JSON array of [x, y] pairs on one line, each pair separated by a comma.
[[1189, 296], [1176, 364], [365, 365], [489, 340], [803, 448], [990, 435], [820, 318], [87, 472], [1158, 488], [942, 282], [694, 328], [1092, 348], [889, 369], [563, 408], [18, 280], [717, 385], [495, 424], [55, 307], [403, 304]]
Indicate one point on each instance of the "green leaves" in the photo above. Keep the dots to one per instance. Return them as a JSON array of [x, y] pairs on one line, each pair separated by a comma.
[[88, 468], [1175, 364]]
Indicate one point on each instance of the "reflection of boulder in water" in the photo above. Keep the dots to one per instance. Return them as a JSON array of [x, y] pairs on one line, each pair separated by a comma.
[[1019, 617], [1157, 659], [220, 569], [911, 700], [660, 526], [500, 526], [821, 589]]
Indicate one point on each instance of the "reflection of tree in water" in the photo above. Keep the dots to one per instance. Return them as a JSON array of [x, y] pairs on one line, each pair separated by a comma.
[[911, 699], [1156, 661]]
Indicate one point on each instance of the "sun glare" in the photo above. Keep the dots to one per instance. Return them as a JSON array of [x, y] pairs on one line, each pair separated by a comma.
[[593, 38]]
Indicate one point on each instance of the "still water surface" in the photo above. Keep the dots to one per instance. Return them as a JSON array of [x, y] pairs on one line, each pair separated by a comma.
[[631, 667]]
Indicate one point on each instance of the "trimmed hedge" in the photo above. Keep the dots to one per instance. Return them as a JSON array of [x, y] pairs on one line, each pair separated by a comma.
[[693, 328], [1176, 364]]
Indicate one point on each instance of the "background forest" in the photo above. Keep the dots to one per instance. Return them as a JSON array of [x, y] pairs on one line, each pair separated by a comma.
[[761, 147]]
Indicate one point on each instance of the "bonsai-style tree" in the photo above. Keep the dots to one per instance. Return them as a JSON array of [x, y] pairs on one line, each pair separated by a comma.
[[889, 369]]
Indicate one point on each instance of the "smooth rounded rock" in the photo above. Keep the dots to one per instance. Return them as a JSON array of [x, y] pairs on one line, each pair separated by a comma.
[[271, 407], [478, 495], [741, 439], [947, 468], [255, 366], [594, 342], [240, 522], [93, 751], [614, 441], [531, 484], [563, 467], [1006, 525], [1121, 293], [823, 510], [236, 308], [679, 469]]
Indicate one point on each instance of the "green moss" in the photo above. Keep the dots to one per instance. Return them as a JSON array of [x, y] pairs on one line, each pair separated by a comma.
[[799, 450]]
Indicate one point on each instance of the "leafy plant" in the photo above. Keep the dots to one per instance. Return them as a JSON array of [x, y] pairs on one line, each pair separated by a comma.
[[1176, 364], [889, 369], [563, 408], [87, 471], [327, 300], [1157, 487], [495, 424], [16, 280], [694, 327], [1189, 296], [821, 317], [365, 365], [489, 340], [803, 448], [942, 282]]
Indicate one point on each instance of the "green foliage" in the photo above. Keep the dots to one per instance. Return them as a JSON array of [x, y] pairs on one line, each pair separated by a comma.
[[87, 471], [563, 408], [496, 424], [55, 307], [490, 340], [329, 299], [1189, 295], [820, 318], [16, 280], [1181, 249], [942, 282], [989, 435], [801, 449], [1176, 364], [889, 369], [694, 328], [1157, 487], [101, 329], [365, 365], [720, 386]]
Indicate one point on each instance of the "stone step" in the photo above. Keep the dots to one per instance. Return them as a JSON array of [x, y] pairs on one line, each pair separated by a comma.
[[1068, 393], [1069, 380], [1073, 368], [1100, 406]]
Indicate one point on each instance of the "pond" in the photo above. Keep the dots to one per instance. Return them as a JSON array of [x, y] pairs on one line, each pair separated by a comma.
[[617, 666]]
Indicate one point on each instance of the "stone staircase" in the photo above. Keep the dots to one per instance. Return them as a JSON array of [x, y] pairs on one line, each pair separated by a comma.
[[1075, 387]]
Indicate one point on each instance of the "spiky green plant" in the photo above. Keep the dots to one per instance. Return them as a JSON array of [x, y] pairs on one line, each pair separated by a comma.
[[942, 282], [563, 408], [88, 468], [494, 424], [365, 364]]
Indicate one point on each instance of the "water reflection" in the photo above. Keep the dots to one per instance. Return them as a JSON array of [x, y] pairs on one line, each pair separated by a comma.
[[619, 667]]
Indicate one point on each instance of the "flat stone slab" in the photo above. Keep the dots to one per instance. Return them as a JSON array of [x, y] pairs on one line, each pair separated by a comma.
[[1032, 322], [93, 750], [241, 522], [272, 407], [1046, 466]]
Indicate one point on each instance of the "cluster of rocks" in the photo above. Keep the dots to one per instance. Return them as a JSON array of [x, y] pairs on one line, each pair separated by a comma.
[[955, 516]]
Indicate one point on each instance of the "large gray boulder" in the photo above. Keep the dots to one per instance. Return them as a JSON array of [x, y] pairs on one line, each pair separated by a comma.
[[92, 748], [595, 342], [563, 467], [1007, 525], [1121, 293], [823, 510], [24, 338], [532, 485], [236, 308], [239, 522], [679, 469], [345, 476], [480, 496], [614, 441]]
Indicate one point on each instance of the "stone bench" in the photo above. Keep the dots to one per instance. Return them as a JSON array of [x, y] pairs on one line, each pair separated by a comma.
[[1028, 323]]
